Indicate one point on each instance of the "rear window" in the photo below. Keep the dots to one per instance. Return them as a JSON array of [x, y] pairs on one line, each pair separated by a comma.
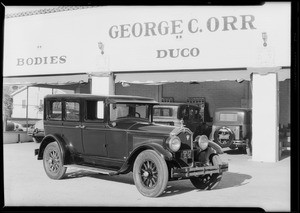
[[55, 112], [163, 112], [228, 117]]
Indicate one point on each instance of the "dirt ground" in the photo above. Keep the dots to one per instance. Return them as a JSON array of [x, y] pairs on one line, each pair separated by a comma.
[[246, 184]]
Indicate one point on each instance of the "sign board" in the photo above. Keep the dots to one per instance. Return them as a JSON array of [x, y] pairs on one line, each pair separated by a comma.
[[141, 38]]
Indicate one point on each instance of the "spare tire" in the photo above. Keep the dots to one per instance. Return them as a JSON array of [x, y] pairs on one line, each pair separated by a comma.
[[223, 136]]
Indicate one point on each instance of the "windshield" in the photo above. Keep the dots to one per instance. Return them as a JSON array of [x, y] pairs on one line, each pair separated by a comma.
[[118, 111]]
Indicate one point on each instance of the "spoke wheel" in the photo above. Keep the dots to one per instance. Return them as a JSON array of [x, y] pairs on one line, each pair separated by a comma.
[[53, 161], [150, 173], [209, 181]]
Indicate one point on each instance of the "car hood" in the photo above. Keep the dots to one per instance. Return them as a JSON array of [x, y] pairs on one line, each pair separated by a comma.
[[143, 126]]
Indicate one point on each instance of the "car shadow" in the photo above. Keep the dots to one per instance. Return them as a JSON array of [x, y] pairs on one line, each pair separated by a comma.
[[232, 179], [229, 180]]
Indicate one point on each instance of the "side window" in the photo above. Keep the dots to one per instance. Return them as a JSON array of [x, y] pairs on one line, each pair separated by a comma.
[[167, 112], [156, 112], [191, 113], [184, 113], [94, 110], [72, 111], [55, 111], [197, 114]]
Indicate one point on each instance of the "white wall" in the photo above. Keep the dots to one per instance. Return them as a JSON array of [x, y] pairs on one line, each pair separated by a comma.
[[265, 118]]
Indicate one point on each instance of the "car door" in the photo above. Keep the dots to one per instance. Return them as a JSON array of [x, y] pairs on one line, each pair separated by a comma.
[[117, 141], [72, 127], [53, 117], [94, 130]]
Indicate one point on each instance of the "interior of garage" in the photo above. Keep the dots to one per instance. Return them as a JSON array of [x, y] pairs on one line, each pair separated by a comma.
[[216, 94]]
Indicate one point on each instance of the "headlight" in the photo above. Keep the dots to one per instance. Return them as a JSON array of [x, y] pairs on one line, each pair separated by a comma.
[[174, 143], [202, 141]]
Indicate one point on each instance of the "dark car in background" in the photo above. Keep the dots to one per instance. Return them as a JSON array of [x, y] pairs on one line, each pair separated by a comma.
[[177, 114], [232, 127], [115, 135], [37, 131]]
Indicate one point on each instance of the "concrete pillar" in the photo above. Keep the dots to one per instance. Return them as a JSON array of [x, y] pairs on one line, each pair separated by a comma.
[[102, 84], [265, 117]]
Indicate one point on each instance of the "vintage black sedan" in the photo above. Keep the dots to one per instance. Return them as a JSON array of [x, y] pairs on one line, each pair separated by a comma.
[[115, 135]]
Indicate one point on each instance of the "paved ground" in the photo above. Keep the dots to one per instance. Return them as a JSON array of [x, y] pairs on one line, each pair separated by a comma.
[[246, 184]]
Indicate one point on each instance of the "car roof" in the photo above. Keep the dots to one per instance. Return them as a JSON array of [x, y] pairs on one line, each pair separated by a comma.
[[109, 98], [175, 104], [233, 109]]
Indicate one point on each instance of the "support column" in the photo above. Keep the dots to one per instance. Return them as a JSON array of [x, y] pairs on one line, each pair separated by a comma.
[[102, 84], [265, 117]]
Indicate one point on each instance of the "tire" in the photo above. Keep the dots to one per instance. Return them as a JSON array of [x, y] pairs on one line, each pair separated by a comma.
[[150, 173], [227, 137], [209, 181], [53, 161], [242, 149]]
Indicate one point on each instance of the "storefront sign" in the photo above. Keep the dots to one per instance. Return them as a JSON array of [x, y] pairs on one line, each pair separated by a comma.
[[177, 27], [145, 38]]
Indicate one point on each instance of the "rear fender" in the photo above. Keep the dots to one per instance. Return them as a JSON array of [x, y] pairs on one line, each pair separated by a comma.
[[51, 138]]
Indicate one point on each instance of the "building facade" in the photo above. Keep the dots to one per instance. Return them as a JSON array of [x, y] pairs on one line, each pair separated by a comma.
[[228, 56]]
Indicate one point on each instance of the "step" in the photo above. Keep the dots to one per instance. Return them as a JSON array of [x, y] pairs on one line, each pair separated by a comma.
[[93, 169]]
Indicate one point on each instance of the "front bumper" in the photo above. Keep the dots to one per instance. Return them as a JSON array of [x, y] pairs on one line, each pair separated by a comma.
[[187, 172], [239, 143]]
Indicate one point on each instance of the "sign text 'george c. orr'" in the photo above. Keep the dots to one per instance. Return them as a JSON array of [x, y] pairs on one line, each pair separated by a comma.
[[178, 28]]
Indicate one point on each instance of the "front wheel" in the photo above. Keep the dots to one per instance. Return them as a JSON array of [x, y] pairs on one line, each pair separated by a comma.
[[53, 161], [209, 181], [150, 173]]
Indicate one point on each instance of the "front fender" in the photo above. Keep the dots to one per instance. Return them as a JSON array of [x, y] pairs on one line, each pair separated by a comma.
[[165, 154], [215, 147]]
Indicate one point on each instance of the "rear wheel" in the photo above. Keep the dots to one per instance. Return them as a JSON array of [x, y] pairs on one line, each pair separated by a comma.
[[53, 161], [242, 149], [209, 181], [150, 173]]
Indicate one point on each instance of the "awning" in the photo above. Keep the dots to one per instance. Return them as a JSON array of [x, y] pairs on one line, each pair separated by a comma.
[[53, 80], [157, 78]]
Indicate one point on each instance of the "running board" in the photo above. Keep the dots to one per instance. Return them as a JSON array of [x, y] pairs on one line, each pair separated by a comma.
[[93, 169]]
